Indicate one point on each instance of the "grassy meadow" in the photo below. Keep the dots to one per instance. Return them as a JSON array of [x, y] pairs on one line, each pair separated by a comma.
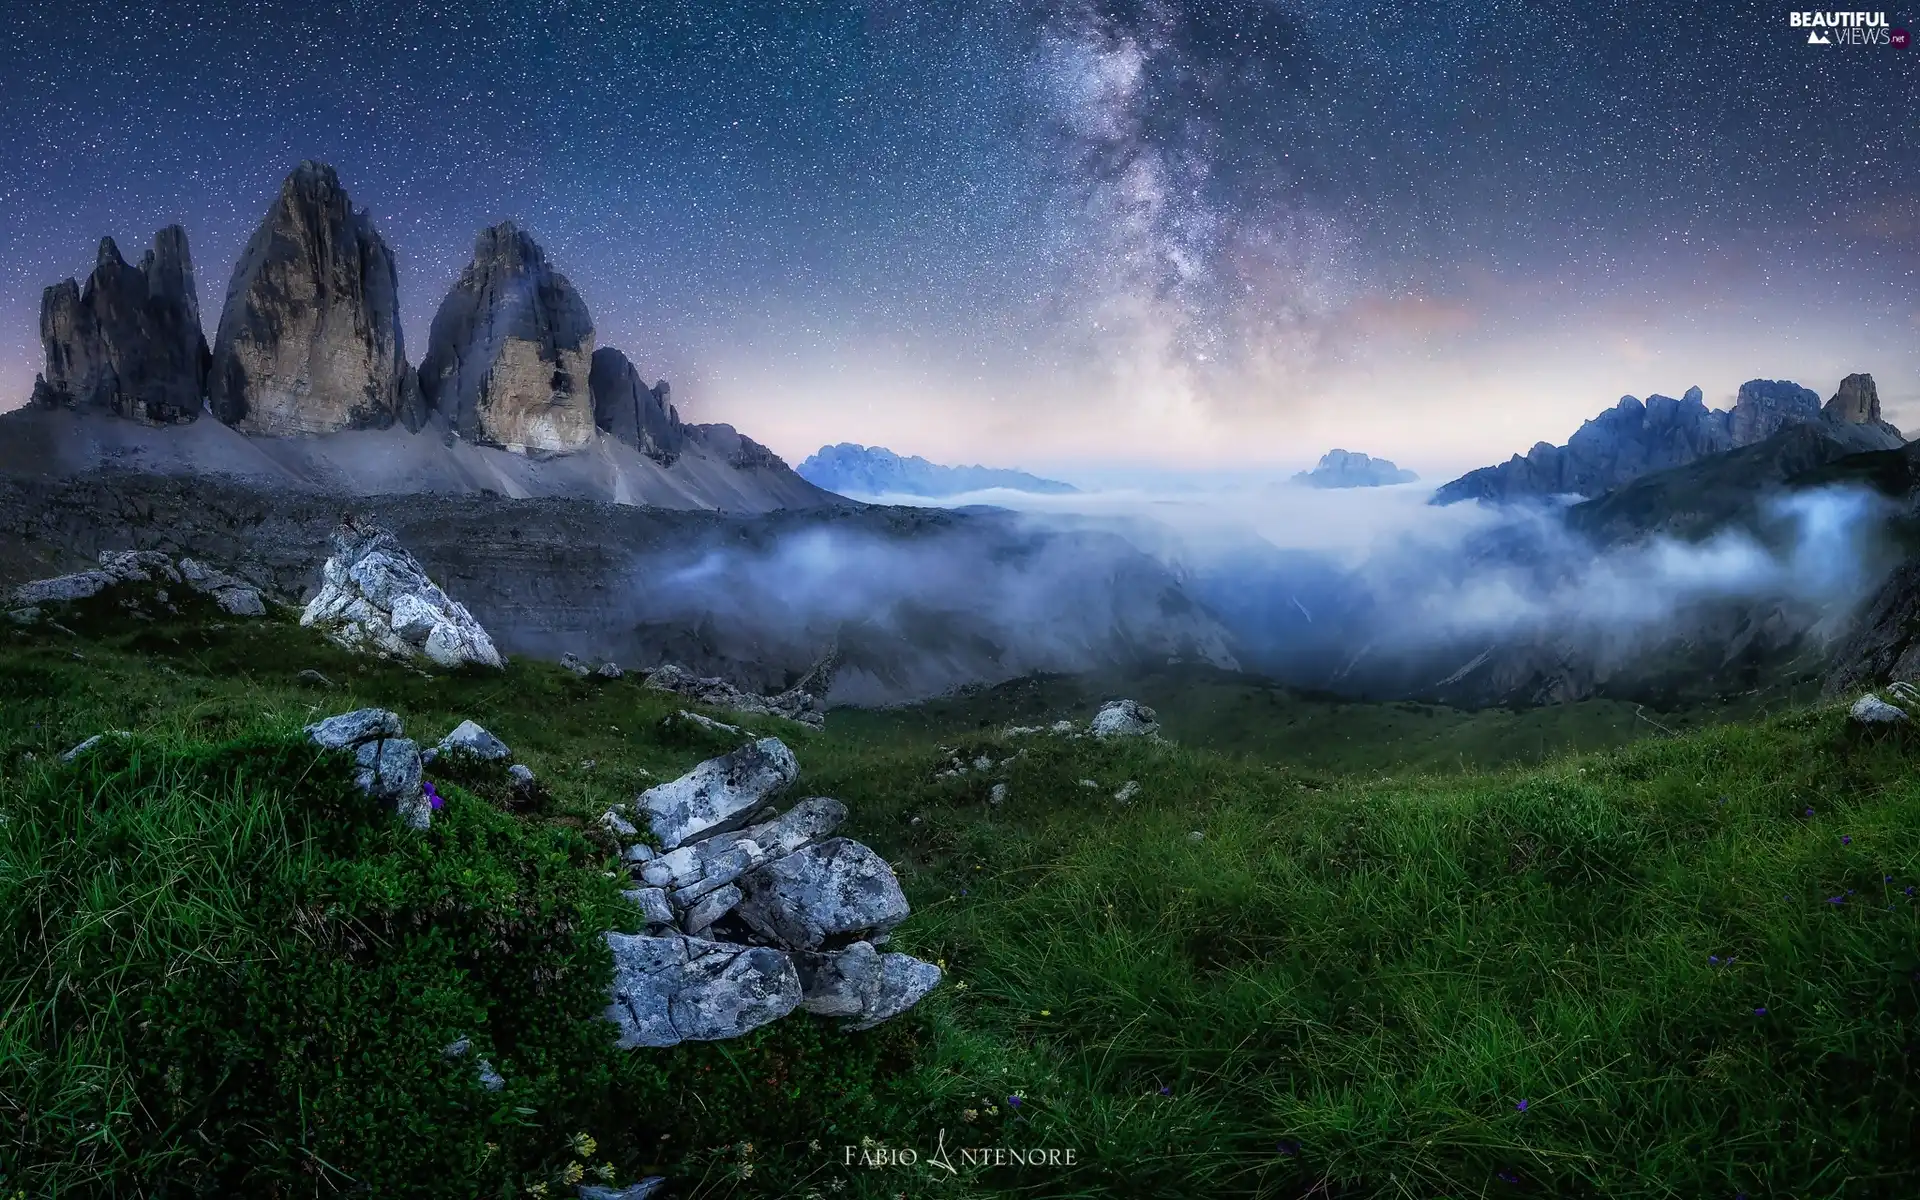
[[1683, 961]]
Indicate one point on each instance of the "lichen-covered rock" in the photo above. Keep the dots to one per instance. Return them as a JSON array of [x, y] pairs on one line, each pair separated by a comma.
[[720, 794], [642, 1190], [863, 984], [374, 596], [119, 567], [822, 892], [387, 766], [309, 341], [652, 903], [509, 353], [131, 342], [667, 990], [1124, 718], [626, 409], [469, 738], [1872, 710], [723, 858]]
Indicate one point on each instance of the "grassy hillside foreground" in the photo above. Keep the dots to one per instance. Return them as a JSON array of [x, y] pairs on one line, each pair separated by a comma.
[[1688, 967]]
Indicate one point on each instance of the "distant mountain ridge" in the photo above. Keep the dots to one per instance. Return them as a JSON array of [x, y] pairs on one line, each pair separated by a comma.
[[1632, 438], [853, 469], [1350, 469]]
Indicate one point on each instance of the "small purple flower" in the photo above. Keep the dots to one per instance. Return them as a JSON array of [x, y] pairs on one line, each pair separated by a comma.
[[1289, 1149], [1507, 1177], [1713, 960], [1836, 899], [1165, 1090], [1809, 812], [963, 891], [434, 800], [1014, 1101], [1761, 1011], [1522, 1106], [1846, 839], [1909, 890], [1886, 879]]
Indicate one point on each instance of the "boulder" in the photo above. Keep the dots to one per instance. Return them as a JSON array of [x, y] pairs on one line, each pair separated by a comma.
[[626, 409], [119, 567], [387, 766], [609, 670], [705, 865], [469, 738], [509, 353], [822, 892], [652, 903], [310, 341], [131, 342], [572, 663], [375, 597], [863, 984], [671, 989], [1872, 710], [719, 794], [1124, 718]]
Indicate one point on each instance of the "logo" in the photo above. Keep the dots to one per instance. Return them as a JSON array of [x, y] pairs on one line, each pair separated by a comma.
[[1847, 29], [875, 1154]]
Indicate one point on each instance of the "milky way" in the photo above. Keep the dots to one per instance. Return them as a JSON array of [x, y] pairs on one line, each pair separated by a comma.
[[1055, 231]]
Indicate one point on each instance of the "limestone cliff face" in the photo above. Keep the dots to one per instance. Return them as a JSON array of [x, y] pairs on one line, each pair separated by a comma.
[[509, 355], [310, 339], [131, 343], [625, 408]]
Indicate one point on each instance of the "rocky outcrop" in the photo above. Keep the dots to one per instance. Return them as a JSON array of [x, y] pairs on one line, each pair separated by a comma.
[[801, 702], [743, 925], [309, 341], [1857, 402], [1124, 718], [509, 355], [150, 567], [626, 409], [1632, 439], [131, 342], [375, 597], [1348, 469], [387, 766]]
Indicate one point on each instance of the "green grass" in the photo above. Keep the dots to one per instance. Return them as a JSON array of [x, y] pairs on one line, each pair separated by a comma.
[[220, 972]]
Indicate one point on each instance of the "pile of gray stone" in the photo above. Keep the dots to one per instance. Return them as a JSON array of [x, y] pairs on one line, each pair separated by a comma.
[[751, 913], [798, 703], [374, 596], [122, 567]]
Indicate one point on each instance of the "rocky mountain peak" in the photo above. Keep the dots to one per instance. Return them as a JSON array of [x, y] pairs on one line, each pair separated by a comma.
[[1350, 468], [131, 342], [1857, 401], [509, 354], [625, 408], [310, 338]]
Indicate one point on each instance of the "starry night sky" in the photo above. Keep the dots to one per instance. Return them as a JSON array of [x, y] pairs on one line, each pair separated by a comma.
[[1042, 234]]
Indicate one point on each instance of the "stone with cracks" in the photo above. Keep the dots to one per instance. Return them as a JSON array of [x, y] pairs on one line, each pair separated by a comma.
[[863, 984], [118, 567], [652, 903], [386, 765], [643, 1190], [822, 892], [710, 908], [667, 990], [720, 794], [352, 728], [375, 597], [1125, 718], [723, 858]]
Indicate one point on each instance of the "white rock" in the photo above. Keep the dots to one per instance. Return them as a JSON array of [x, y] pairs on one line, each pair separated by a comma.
[[863, 984], [823, 891], [667, 990], [1127, 792], [1124, 718], [1872, 710], [719, 794], [375, 597], [470, 738]]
